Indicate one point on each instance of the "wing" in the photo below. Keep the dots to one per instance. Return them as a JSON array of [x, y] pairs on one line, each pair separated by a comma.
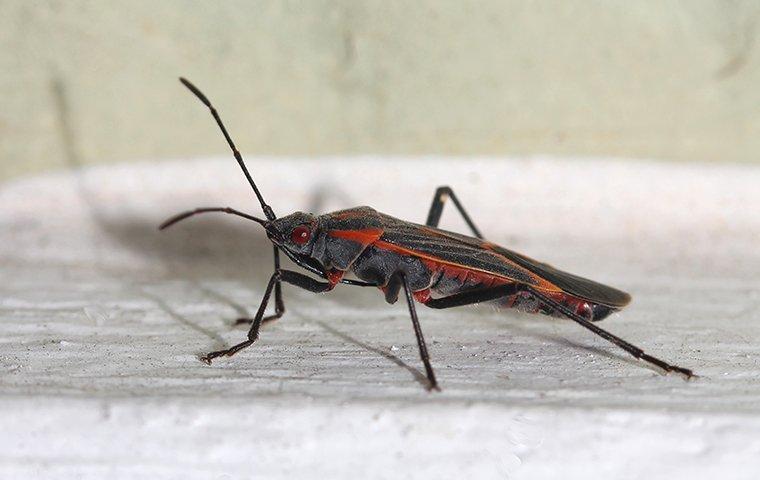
[[467, 252]]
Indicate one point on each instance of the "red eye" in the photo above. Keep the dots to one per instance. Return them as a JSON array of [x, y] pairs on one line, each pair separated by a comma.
[[300, 235]]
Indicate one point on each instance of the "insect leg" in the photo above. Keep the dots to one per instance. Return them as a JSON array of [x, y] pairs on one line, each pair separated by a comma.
[[253, 333], [630, 348], [289, 276], [436, 209], [474, 296], [317, 271], [400, 277], [279, 303]]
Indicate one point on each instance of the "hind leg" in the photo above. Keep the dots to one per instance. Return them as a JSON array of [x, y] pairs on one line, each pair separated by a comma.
[[436, 209]]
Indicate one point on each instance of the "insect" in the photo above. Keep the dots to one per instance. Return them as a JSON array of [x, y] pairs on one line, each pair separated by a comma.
[[434, 267]]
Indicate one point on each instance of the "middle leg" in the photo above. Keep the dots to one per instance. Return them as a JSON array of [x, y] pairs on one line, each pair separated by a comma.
[[399, 278]]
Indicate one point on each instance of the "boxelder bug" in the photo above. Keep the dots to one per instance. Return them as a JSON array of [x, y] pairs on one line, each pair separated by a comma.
[[437, 268]]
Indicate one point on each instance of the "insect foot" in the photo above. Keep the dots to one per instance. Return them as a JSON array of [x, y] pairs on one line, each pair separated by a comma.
[[229, 352], [210, 356], [433, 387], [685, 372]]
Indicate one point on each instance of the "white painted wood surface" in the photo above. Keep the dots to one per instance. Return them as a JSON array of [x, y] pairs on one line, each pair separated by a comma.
[[102, 319]]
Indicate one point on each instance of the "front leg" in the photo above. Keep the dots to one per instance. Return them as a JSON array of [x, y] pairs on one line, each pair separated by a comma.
[[289, 276], [334, 277], [279, 303]]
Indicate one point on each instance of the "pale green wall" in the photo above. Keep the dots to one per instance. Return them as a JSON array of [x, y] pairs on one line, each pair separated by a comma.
[[95, 81]]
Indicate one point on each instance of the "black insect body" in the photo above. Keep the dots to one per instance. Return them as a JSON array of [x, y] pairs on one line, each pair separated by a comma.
[[437, 268]]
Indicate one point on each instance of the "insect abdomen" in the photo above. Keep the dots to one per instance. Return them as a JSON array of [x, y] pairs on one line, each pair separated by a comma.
[[526, 302], [449, 280]]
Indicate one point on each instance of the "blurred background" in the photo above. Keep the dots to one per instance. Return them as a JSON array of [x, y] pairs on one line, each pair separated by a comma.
[[93, 82]]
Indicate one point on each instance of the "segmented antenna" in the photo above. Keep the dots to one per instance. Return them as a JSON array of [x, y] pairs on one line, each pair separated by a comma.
[[182, 216], [267, 209]]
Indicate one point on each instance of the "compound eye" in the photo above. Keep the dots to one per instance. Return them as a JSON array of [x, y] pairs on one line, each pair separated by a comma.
[[300, 235]]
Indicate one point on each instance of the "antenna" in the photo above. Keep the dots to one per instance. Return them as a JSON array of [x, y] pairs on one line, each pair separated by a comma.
[[267, 209], [181, 216]]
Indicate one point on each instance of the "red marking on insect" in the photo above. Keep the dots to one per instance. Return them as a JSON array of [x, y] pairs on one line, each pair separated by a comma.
[[345, 214], [465, 275], [438, 263], [576, 305], [364, 237], [300, 235], [584, 309], [335, 276], [422, 296]]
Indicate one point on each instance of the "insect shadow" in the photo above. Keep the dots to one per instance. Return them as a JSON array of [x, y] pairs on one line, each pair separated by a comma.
[[161, 304], [517, 325], [418, 376], [209, 248]]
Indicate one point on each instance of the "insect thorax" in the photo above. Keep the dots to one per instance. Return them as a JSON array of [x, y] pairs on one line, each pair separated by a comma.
[[377, 265]]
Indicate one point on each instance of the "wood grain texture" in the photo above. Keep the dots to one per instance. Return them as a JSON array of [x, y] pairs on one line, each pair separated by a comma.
[[102, 319]]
